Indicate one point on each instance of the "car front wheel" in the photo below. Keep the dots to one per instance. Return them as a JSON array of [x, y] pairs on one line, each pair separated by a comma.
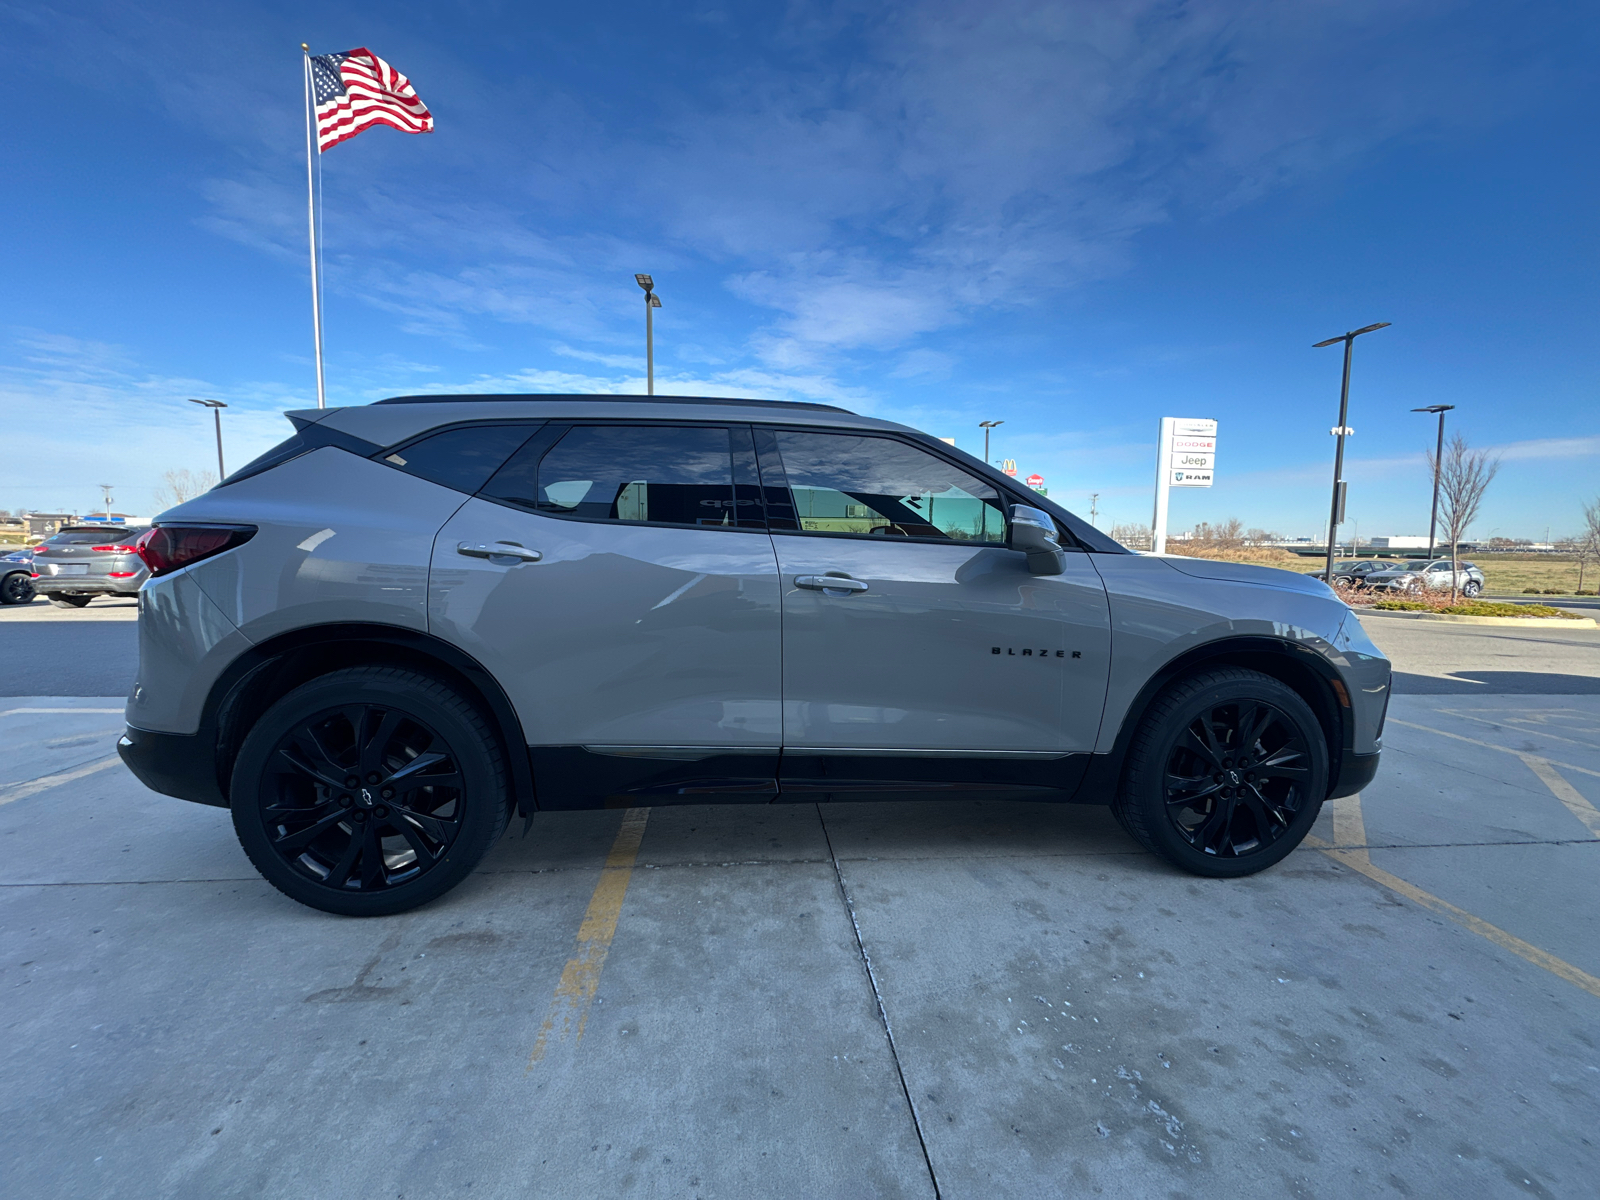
[[369, 791], [1226, 773]]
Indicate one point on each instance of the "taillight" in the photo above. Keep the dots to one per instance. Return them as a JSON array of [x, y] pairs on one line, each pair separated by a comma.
[[168, 547], [41, 548], [114, 549], [121, 574]]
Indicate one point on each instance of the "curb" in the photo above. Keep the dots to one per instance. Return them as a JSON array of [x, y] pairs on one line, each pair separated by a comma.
[[1514, 622]]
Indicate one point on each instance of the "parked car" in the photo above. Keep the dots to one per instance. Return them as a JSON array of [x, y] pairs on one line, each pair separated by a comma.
[[81, 562], [1353, 573], [412, 619], [1421, 574], [16, 577]]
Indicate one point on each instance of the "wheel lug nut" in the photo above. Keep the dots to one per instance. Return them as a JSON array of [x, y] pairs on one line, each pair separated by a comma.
[[345, 800], [380, 811], [360, 816], [387, 793], [373, 778], [352, 781]]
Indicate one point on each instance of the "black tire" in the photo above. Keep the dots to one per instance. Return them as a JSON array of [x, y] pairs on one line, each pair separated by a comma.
[[70, 601], [17, 588], [1225, 775], [1471, 588], [365, 849]]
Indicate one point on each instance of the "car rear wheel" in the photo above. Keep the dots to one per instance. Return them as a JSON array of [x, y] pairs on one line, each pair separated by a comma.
[[16, 588], [1225, 775], [369, 791], [1471, 588], [70, 601]]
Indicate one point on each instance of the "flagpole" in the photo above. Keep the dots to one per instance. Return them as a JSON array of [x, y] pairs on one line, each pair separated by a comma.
[[311, 211]]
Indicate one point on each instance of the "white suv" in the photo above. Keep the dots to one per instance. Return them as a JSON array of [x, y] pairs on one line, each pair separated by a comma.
[[415, 618]]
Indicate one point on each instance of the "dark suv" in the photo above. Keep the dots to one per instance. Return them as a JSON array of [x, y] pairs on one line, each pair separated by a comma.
[[412, 619]]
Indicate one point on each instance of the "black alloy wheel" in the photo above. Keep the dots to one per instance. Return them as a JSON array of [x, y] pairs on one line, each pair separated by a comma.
[[16, 588], [368, 791], [1226, 774]]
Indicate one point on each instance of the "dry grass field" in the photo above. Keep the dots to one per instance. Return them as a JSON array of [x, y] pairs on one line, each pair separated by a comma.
[[1506, 574]]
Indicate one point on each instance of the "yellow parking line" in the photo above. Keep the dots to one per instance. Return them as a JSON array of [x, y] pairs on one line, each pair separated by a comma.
[[21, 791], [1489, 745], [581, 976], [1564, 791], [1350, 829]]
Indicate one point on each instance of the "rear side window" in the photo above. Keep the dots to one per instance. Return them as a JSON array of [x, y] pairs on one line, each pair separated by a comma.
[[852, 484], [463, 458], [671, 475]]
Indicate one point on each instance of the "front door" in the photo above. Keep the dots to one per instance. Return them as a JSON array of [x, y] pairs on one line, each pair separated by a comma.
[[610, 579], [919, 653]]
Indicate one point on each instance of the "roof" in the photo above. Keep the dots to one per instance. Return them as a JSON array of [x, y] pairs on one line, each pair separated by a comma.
[[611, 399], [400, 417]]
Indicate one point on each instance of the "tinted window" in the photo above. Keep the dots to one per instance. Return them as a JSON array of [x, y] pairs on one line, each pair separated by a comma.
[[123, 536], [675, 475], [847, 483], [463, 458]]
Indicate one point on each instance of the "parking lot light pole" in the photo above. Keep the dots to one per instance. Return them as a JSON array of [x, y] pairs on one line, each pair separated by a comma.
[[1438, 455], [1341, 431], [986, 426], [216, 407], [651, 301]]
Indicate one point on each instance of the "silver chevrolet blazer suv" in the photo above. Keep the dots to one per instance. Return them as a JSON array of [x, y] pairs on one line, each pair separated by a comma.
[[414, 620]]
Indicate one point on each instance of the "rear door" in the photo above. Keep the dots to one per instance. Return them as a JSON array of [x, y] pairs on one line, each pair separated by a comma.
[[919, 652], [618, 580]]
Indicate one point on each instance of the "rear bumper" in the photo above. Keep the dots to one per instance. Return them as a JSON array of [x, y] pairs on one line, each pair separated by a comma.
[[174, 764], [1356, 771], [88, 585]]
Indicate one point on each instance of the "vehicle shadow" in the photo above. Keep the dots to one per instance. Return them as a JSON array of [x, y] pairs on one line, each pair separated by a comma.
[[1492, 683], [751, 835]]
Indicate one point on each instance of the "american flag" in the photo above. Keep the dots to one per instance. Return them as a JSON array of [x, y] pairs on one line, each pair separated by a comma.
[[357, 90]]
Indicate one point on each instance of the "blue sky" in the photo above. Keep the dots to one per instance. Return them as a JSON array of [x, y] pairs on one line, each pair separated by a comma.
[[1075, 217]]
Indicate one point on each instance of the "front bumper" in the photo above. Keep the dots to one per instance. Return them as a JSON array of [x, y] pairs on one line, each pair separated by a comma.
[[174, 764], [1356, 771]]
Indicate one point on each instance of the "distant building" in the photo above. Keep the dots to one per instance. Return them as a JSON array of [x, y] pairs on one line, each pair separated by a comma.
[[42, 525], [1398, 543]]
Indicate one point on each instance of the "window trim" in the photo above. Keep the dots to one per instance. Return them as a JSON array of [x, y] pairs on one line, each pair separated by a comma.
[[565, 426]]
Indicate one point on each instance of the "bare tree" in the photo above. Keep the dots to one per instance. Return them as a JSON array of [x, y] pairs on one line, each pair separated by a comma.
[[1587, 544], [1134, 537], [181, 485], [1260, 537], [1464, 476]]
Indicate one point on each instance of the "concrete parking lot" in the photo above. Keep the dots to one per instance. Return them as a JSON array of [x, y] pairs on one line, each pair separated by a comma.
[[955, 1000]]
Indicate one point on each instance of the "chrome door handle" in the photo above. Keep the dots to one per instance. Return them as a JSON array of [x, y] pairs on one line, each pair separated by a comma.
[[829, 583], [498, 550]]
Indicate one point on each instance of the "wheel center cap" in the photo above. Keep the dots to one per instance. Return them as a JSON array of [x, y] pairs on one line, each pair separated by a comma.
[[365, 799], [1233, 780]]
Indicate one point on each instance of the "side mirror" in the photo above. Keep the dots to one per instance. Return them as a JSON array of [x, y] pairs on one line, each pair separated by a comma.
[[1033, 531]]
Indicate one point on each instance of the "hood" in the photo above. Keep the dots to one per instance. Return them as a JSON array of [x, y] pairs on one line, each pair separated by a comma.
[[1288, 581]]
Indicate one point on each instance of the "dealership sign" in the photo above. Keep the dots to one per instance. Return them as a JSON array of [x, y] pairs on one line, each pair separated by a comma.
[[1186, 458]]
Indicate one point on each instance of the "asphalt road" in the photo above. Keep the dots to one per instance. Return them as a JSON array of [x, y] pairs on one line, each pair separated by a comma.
[[946, 999], [50, 651]]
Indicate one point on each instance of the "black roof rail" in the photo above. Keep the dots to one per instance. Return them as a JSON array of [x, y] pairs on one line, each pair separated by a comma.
[[602, 398]]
